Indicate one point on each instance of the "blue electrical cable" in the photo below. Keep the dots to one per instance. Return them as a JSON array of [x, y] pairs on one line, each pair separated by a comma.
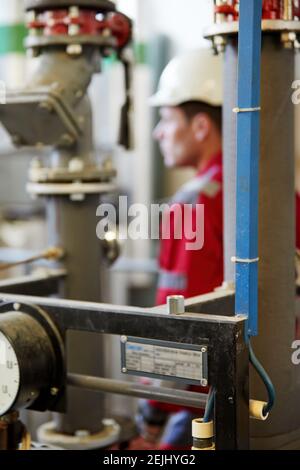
[[266, 380], [209, 409]]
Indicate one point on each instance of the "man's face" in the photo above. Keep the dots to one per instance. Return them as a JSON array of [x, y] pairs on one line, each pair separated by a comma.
[[176, 138]]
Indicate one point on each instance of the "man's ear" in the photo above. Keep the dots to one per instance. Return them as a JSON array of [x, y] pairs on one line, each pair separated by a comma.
[[201, 126]]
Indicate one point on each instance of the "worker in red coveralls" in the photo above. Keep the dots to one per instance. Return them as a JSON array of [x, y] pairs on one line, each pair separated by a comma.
[[190, 135]]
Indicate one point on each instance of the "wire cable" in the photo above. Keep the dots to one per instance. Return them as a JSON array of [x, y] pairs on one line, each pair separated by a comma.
[[52, 253], [266, 380], [209, 409]]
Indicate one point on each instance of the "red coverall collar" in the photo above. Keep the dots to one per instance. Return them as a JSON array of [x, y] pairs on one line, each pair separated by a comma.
[[214, 160]]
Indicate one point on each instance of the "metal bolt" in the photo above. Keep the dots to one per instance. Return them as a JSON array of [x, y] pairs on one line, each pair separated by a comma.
[[30, 16], [204, 383], [77, 197], [231, 400], [124, 370], [203, 350], [54, 391], [17, 306], [73, 30], [35, 163], [124, 339], [74, 49], [76, 165], [175, 304], [82, 433], [74, 12], [67, 139]]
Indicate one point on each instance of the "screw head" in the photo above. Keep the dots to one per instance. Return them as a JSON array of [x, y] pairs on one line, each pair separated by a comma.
[[204, 383], [54, 391], [124, 370], [203, 350], [124, 339], [17, 306]]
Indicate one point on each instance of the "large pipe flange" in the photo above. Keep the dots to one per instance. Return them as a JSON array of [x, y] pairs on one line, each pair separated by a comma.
[[39, 5]]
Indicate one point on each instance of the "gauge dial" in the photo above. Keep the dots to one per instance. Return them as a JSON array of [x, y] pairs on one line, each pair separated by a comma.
[[9, 375]]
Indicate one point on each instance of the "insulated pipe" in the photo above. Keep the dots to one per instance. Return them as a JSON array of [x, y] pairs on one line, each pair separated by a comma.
[[276, 296], [72, 225], [277, 247], [64, 74], [229, 157]]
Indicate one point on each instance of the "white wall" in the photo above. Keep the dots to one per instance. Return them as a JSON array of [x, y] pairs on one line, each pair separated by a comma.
[[182, 20]]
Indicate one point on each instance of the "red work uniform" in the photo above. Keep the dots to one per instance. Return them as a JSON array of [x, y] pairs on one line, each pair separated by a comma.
[[194, 272], [191, 272]]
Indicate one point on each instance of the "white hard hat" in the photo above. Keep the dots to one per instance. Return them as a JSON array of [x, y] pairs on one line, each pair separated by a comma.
[[193, 76]]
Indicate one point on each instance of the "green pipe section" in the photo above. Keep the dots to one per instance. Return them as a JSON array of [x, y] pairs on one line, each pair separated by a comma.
[[12, 39]]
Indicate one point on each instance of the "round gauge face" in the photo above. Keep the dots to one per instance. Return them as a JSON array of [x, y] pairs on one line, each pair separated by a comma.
[[9, 375]]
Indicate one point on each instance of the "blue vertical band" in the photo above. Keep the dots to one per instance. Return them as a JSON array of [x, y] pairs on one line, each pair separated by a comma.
[[248, 146]]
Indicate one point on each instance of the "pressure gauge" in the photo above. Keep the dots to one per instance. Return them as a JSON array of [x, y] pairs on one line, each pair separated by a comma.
[[32, 372], [9, 375]]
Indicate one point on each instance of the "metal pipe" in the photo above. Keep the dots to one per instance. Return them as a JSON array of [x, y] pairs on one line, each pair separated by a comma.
[[72, 225], [164, 395], [229, 157], [276, 298]]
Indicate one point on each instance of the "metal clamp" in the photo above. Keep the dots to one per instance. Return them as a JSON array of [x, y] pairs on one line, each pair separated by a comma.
[[234, 259], [246, 110]]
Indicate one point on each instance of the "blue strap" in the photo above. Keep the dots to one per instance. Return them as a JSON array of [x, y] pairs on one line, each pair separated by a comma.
[[248, 142]]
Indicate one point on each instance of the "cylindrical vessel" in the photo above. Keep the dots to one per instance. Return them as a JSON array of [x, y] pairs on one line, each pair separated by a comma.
[[276, 239]]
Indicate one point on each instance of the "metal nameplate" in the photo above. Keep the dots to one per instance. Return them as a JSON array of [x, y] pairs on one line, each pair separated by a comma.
[[164, 360]]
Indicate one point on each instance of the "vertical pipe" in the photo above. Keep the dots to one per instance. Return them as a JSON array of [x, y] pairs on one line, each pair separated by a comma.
[[276, 299], [276, 288], [229, 157], [73, 226], [248, 135]]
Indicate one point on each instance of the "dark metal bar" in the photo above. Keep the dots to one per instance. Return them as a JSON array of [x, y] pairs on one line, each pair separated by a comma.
[[224, 336], [164, 395], [146, 323], [232, 399], [34, 284], [216, 303]]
